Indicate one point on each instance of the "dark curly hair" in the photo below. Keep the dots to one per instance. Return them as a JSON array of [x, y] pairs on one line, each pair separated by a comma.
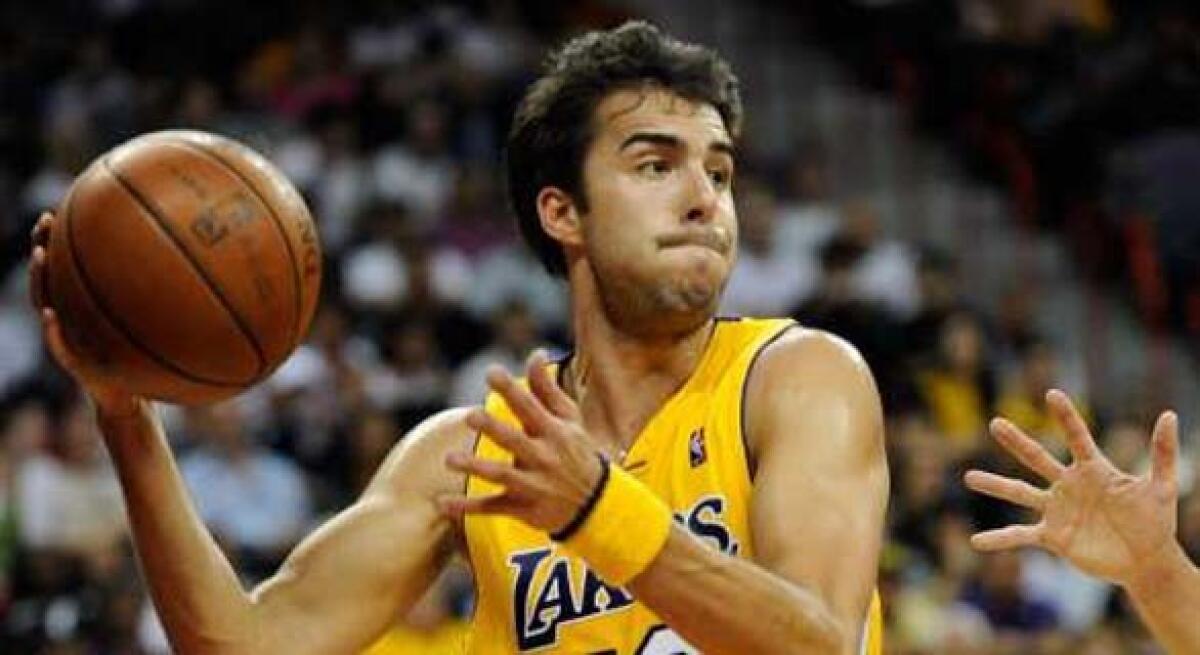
[[553, 125]]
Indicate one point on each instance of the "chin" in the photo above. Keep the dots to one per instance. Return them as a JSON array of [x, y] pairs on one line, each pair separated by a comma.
[[691, 298], [688, 304]]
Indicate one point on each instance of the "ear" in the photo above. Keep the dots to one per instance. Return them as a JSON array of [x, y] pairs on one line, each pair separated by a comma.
[[559, 216]]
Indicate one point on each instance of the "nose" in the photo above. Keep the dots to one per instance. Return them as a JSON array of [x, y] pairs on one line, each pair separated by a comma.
[[702, 197]]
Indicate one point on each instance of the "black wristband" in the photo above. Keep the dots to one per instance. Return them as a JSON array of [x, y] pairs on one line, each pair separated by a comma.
[[590, 504]]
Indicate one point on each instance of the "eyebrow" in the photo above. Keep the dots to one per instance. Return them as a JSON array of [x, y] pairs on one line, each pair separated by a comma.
[[672, 141]]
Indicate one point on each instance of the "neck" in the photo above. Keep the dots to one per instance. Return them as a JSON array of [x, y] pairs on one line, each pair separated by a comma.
[[621, 379]]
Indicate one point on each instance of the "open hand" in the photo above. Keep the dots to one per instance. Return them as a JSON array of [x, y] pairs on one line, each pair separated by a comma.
[[555, 467], [1101, 519]]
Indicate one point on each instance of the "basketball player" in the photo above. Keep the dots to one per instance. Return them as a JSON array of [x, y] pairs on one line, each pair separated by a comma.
[[1106, 522], [680, 484]]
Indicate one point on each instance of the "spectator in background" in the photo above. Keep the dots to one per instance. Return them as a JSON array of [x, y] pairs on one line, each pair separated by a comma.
[[24, 425], [808, 215], [18, 332], [835, 307], [68, 498], [1015, 616], [321, 384], [940, 297], [1015, 329], [316, 75], [419, 170], [769, 278], [958, 386], [368, 441], [228, 467], [97, 96], [516, 335], [327, 162], [410, 382], [1023, 400], [397, 265], [199, 106], [67, 148], [509, 272], [886, 271], [475, 222], [922, 494]]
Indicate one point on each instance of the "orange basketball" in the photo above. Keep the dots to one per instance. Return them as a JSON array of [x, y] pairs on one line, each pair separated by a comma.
[[184, 264]]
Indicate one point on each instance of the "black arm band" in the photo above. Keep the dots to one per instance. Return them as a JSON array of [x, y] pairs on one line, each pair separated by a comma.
[[581, 517]]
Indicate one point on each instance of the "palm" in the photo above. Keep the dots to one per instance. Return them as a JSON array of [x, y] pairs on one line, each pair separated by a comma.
[[1103, 520]]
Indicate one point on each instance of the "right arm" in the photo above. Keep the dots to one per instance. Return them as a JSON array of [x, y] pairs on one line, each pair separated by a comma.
[[1109, 524], [337, 591], [341, 587]]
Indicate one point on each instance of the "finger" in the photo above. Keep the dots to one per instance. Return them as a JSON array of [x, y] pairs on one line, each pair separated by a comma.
[[503, 434], [534, 416], [546, 389], [40, 234], [37, 277], [500, 473], [1017, 492], [459, 506], [1026, 450], [1165, 447], [1079, 437], [52, 333], [1013, 536]]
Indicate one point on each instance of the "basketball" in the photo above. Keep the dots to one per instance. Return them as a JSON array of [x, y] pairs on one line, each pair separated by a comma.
[[185, 265]]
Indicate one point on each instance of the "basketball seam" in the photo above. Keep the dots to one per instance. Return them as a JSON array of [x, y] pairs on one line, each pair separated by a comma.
[[108, 315], [297, 287], [154, 213]]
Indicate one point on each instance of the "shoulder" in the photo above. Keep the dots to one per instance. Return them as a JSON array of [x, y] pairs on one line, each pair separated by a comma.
[[810, 377], [801, 355]]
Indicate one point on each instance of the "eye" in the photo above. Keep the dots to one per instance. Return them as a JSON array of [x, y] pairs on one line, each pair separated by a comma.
[[654, 168], [720, 177]]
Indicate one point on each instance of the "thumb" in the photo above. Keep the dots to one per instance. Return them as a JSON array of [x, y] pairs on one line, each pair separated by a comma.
[[52, 332], [1165, 449]]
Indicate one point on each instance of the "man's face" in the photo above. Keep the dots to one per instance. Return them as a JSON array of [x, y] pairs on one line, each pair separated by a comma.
[[660, 231]]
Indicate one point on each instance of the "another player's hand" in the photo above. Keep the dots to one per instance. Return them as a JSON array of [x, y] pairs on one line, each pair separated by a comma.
[[555, 467], [1103, 520], [108, 395]]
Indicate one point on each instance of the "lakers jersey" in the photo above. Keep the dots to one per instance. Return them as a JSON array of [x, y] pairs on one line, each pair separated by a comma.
[[533, 597]]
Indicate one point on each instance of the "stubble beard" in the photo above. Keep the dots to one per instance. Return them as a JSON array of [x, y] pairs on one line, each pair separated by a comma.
[[658, 308]]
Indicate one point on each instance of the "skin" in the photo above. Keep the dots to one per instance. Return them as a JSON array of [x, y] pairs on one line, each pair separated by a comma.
[[1109, 524], [646, 264]]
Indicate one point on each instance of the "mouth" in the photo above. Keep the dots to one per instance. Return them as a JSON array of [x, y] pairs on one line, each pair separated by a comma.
[[715, 240]]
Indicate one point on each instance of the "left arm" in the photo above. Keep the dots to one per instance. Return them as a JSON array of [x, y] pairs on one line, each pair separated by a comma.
[[815, 429]]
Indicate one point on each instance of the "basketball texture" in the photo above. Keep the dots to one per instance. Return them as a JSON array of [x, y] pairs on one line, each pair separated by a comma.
[[185, 265]]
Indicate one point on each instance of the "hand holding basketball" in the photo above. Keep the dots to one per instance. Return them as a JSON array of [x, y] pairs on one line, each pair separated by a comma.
[[182, 266], [106, 392]]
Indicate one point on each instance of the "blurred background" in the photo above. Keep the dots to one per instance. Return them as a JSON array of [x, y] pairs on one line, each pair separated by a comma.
[[987, 197]]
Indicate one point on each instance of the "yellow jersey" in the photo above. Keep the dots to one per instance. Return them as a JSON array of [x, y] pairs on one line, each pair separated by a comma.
[[533, 597]]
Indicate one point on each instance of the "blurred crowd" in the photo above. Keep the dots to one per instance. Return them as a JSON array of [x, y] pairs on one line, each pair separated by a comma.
[[391, 122], [1087, 112]]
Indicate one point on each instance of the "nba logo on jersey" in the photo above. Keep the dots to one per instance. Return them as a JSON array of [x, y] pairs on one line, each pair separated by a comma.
[[697, 453]]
